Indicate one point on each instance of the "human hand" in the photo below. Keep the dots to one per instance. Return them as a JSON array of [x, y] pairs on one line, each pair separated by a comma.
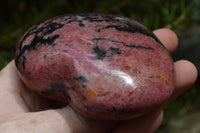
[[22, 111]]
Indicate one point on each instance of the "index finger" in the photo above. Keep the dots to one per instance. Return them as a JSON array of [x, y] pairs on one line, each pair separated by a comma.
[[168, 38]]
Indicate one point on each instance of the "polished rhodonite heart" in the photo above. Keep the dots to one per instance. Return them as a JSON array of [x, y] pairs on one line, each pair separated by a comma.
[[104, 66]]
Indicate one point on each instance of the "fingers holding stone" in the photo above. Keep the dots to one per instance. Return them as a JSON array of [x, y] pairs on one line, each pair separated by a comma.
[[168, 38], [186, 75], [11, 103], [64, 120], [41, 122]]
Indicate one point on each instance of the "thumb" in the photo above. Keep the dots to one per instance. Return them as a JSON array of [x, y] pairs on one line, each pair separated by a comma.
[[64, 120]]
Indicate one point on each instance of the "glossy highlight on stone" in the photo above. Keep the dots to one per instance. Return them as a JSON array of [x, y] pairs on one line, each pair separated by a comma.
[[104, 66]]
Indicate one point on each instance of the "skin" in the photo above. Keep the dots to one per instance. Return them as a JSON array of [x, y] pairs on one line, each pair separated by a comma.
[[24, 111]]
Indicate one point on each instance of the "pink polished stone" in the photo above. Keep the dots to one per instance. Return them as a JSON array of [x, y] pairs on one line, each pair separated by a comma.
[[104, 66]]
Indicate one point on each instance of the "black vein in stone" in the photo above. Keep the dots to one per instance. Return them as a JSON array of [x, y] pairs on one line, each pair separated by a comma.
[[81, 78], [58, 90], [131, 29], [125, 44], [99, 52], [38, 39]]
